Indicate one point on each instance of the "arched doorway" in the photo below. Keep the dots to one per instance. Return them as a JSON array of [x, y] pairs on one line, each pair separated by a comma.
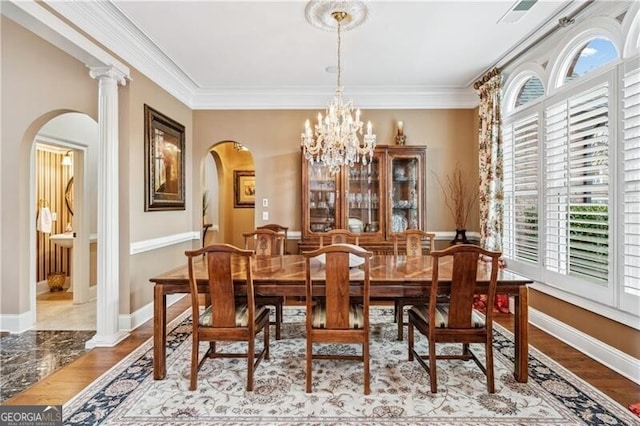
[[72, 204], [229, 218]]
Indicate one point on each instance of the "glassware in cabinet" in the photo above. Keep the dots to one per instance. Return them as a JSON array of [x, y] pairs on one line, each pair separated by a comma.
[[363, 197], [321, 195]]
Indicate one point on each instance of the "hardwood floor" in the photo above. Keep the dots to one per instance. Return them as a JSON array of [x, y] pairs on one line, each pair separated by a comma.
[[61, 386]]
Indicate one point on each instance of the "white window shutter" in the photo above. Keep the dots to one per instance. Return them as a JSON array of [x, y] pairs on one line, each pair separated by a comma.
[[630, 294], [521, 174]]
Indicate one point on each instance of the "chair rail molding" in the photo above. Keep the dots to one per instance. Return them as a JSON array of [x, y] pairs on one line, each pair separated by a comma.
[[161, 242]]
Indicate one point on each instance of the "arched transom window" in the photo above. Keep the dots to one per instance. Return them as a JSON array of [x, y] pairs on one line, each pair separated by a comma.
[[593, 55]]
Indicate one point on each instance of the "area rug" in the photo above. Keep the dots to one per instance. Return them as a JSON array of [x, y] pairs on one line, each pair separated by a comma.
[[128, 395]]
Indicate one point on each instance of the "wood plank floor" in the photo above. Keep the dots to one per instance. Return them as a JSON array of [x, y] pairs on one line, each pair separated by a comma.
[[65, 383]]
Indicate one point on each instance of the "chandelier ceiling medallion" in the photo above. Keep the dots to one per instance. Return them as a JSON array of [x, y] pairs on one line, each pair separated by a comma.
[[335, 140]]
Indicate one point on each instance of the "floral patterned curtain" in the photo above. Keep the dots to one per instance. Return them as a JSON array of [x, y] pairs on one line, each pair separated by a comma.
[[491, 195]]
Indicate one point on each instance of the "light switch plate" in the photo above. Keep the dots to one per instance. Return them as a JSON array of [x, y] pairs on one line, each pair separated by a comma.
[[265, 215]]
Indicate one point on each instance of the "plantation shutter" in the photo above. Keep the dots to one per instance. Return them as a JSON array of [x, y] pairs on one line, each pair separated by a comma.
[[520, 153], [577, 185], [630, 299]]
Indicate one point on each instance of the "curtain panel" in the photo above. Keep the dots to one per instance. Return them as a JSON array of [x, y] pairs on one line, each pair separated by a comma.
[[491, 194]]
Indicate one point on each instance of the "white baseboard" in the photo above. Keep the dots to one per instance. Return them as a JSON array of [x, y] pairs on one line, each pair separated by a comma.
[[611, 357], [142, 315]]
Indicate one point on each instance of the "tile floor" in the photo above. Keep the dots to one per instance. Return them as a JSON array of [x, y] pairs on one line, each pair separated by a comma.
[[57, 338]]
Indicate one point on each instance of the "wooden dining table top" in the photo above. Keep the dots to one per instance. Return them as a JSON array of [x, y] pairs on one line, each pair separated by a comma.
[[385, 269]]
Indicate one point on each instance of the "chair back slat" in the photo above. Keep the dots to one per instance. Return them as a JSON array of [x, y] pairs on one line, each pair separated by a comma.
[[337, 290], [266, 242], [463, 286], [279, 229], [221, 289], [413, 242]]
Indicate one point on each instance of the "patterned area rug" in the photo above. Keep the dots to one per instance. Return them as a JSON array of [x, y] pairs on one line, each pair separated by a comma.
[[400, 395]]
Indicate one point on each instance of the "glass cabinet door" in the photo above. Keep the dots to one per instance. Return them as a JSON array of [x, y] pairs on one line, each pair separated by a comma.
[[363, 198], [405, 194], [322, 198]]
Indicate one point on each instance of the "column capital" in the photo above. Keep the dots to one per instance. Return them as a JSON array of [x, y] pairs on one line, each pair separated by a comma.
[[108, 72]]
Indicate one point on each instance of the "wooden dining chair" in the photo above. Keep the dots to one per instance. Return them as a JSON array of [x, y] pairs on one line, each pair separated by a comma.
[[410, 243], [278, 228], [340, 236], [333, 317], [267, 242], [223, 319], [456, 321]]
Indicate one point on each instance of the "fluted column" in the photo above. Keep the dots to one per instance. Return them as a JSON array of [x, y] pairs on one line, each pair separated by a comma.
[[108, 292]]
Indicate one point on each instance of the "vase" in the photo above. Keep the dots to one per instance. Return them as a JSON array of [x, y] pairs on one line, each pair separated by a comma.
[[461, 237]]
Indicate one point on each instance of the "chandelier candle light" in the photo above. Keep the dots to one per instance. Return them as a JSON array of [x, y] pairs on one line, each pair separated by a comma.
[[336, 142]]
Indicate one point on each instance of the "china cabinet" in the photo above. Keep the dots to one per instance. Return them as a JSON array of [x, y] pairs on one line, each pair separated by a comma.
[[375, 200]]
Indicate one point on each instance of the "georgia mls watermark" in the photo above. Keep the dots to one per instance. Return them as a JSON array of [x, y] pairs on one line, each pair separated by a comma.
[[31, 415]]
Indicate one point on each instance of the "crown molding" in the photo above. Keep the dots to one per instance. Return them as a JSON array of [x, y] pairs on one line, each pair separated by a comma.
[[50, 27], [389, 97], [105, 22]]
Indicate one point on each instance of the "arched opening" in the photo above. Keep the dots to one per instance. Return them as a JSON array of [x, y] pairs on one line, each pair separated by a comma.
[[230, 217], [63, 172]]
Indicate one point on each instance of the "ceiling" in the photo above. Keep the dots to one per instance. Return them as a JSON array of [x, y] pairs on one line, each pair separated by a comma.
[[265, 54]]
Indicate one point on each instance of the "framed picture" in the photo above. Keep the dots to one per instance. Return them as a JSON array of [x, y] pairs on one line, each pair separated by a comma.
[[244, 187], [164, 162]]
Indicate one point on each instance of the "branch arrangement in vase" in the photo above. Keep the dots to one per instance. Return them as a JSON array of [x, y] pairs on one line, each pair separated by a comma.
[[460, 194]]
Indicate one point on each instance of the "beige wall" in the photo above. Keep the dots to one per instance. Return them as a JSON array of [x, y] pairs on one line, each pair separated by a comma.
[[38, 83], [137, 225], [274, 140]]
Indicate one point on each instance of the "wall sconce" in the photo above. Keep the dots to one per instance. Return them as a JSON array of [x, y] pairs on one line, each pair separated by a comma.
[[67, 160]]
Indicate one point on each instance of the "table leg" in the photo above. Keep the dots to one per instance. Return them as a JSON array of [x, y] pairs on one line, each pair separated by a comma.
[[159, 332], [521, 332]]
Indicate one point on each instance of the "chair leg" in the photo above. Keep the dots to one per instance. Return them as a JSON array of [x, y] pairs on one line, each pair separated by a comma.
[[251, 350], [367, 375], [400, 319], [279, 318], [308, 372], [410, 340], [489, 366], [433, 375], [265, 332], [194, 363]]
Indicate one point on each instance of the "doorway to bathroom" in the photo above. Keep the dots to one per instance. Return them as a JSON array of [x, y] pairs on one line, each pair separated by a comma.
[[65, 253]]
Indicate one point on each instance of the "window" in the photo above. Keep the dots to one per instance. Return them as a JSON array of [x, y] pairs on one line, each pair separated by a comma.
[[572, 181], [577, 185], [591, 56], [530, 90]]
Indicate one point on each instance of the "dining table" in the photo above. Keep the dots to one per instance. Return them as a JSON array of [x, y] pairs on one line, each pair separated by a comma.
[[391, 277]]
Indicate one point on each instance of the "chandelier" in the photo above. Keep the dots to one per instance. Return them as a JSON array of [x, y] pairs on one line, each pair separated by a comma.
[[335, 140]]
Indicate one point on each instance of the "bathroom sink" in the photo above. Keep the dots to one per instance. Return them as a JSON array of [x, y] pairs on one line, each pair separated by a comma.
[[63, 240]]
